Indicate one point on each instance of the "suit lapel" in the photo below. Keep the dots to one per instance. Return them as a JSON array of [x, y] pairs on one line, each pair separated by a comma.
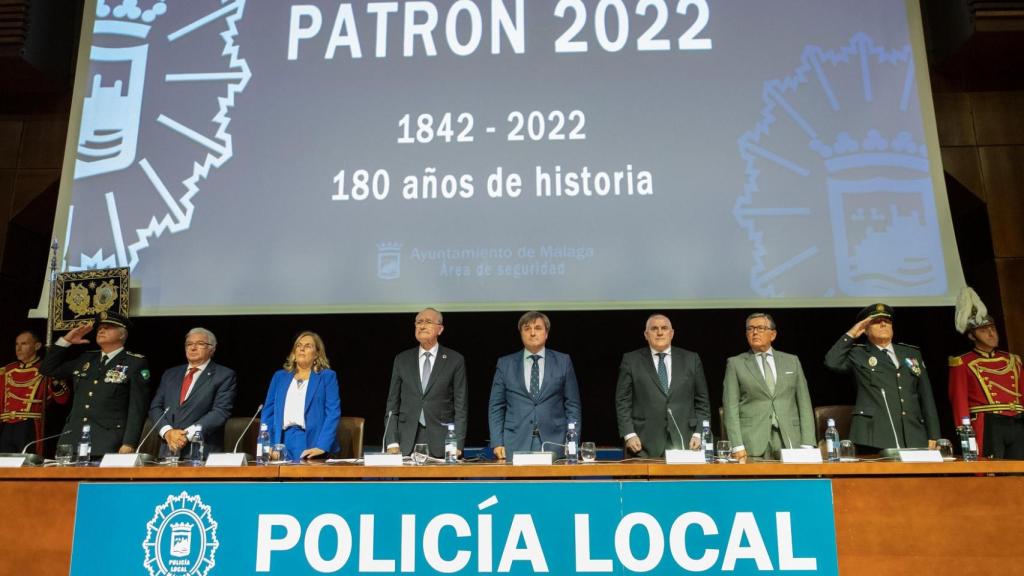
[[652, 370], [311, 387], [754, 365], [200, 379]]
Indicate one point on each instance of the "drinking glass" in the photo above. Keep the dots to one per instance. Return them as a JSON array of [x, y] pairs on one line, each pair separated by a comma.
[[945, 448], [588, 452], [278, 455], [847, 451], [723, 449], [64, 453], [172, 456], [419, 454]]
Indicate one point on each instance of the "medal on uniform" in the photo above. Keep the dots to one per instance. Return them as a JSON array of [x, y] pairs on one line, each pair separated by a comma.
[[117, 375], [872, 361], [913, 365]]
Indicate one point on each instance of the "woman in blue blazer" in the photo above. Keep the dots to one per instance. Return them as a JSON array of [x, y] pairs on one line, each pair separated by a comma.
[[302, 409]]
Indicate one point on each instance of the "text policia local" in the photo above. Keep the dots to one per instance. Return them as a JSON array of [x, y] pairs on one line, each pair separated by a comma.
[[356, 29], [449, 543]]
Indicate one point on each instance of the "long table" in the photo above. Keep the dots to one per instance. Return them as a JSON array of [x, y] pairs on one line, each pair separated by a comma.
[[890, 517]]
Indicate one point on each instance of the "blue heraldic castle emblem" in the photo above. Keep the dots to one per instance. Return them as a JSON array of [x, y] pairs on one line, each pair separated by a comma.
[[181, 538], [389, 260], [838, 198], [141, 155]]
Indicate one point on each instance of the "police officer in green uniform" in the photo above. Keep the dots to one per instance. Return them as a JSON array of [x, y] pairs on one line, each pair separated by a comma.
[[891, 378], [111, 385]]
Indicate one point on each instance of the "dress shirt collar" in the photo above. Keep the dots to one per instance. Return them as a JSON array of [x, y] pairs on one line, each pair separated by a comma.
[[433, 351], [199, 369], [527, 354], [666, 351]]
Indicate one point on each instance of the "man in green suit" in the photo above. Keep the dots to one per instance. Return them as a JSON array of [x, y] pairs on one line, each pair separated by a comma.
[[765, 399]]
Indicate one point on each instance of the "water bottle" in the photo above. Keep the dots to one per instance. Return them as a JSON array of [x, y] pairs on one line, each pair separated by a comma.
[[571, 454], [197, 446], [968, 441], [708, 440], [85, 445], [831, 441], [451, 446], [263, 445]]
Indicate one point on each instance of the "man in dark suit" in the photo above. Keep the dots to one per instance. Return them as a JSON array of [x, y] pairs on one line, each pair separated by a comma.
[[428, 391], [199, 393], [893, 390], [111, 385], [534, 395], [765, 399], [653, 381]]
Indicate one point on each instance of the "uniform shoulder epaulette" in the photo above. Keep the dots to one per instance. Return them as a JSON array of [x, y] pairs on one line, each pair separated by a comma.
[[858, 345], [909, 345], [135, 355], [956, 361]]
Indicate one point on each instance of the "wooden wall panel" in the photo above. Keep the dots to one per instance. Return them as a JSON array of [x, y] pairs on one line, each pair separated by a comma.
[[954, 119], [38, 516], [10, 141], [1011, 281], [43, 143], [998, 117], [1003, 170]]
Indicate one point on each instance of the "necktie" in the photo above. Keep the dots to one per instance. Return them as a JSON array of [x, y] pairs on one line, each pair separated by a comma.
[[892, 356], [769, 380], [103, 360], [424, 378], [186, 384], [769, 376], [425, 373], [535, 376], [663, 371]]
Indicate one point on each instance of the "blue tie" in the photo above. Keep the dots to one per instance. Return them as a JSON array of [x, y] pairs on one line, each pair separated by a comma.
[[534, 376], [663, 371]]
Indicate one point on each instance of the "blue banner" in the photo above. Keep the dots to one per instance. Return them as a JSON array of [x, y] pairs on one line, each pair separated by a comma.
[[709, 527]]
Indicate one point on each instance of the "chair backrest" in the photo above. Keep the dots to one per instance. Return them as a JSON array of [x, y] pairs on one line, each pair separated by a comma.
[[233, 430], [350, 436], [722, 434], [841, 413], [151, 445]]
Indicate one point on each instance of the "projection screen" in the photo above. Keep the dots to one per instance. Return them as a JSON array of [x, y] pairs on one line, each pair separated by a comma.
[[325, 156]]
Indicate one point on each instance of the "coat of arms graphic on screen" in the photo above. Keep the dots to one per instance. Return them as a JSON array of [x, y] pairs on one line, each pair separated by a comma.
[[872, 211], [162, 78]]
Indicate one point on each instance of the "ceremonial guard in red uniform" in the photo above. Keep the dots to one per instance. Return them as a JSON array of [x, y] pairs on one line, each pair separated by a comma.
[[984, 384], [26, 393]]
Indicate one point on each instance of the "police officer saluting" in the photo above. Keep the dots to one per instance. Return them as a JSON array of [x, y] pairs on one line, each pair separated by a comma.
[[895, 407], [111, 385]]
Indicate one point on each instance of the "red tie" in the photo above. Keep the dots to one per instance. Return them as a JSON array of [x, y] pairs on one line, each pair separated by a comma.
[[186, 384]]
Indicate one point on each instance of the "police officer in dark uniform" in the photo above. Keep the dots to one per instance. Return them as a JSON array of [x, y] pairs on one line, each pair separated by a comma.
[[895, 407], [111, 385]]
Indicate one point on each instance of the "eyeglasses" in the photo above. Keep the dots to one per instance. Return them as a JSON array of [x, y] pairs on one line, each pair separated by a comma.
[[426, 322], [305, 346], [759, 329], [197, 344]]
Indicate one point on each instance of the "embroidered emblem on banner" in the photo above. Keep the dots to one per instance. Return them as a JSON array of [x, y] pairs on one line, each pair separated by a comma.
[[181, 538]]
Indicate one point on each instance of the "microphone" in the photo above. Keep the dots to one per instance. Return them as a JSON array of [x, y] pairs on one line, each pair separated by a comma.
[[384, 438], [44, 439], [32, 459], [149, 457], [246, 429], [891, 423], [676, 424]]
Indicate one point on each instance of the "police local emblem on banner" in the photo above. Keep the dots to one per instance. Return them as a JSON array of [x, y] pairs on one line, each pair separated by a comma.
[[181, 538]]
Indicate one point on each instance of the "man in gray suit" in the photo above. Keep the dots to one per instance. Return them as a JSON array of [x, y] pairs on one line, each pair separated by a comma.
[[199, 393], [765, 399], [661, 396], [428, 391]]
